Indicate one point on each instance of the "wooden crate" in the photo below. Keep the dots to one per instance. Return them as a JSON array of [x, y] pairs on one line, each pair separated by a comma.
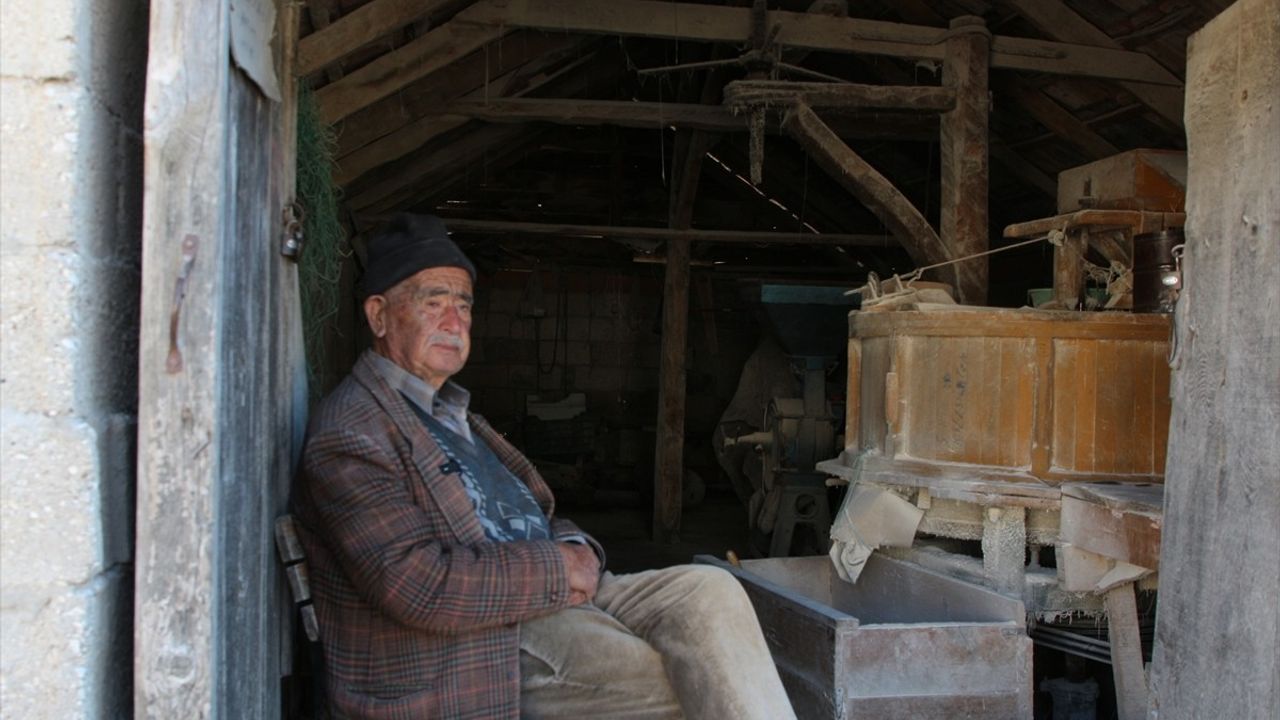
[[1142, 179], [1015, 395], [904, 642]]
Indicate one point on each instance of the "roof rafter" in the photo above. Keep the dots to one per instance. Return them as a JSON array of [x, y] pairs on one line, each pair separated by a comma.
[[713, 23]]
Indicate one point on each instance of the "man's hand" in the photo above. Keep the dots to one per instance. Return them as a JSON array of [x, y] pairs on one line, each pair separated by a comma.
[[583, 568]]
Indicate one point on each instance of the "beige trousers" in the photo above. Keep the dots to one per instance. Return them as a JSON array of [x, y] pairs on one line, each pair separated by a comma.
[[671, 643]]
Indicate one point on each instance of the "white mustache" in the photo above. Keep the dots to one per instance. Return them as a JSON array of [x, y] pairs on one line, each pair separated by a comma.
[[449, 339]]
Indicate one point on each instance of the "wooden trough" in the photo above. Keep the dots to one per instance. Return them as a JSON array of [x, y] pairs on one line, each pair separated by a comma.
[[904, 642]]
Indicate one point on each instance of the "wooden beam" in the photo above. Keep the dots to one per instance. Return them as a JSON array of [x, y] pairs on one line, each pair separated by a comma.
[[414, 60], [321, 13], [1055, 19], [1024, 169], [1215, 642], [484, 70], [332, 42], [915, 98], [712, 23], [730, 237], [451, 157], [1058, 119], [654, 115], [621, 113], [866, 184], [422, 131], [965, 166]]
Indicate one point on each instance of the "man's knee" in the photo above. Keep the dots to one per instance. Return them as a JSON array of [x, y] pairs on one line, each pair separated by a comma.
[[711, 586]]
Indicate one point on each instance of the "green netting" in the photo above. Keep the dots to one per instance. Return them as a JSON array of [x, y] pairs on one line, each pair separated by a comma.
[[325, 248]]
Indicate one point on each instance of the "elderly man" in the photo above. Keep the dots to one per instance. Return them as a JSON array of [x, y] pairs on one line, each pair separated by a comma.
[[445, 585]]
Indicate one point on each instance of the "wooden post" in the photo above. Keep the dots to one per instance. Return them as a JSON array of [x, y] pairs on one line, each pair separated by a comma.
[[1126, 653], [964, 155], [1215, 645], [1068, 269], [669, 446], [221, 387]]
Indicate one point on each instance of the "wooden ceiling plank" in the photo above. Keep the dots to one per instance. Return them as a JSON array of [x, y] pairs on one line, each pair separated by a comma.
[[332, 42], [1024, 169], [927, 98], [1056, 20], [420, 132], [1059, 120], [484, 69], [321, 13], [416, 59], [712, 23], [447, 158]]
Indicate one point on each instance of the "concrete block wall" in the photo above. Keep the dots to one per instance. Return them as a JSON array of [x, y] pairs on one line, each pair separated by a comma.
[[596, 335], [71, 81], [599, 334]]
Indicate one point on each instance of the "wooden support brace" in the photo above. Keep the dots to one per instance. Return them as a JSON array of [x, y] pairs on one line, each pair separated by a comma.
[[923, 98], [866, 184], [1126, 653]]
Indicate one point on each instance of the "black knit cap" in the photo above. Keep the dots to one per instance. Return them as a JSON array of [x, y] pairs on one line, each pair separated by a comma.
[[407, 245]]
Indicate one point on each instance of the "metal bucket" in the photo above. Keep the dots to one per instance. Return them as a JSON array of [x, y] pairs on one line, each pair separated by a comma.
[[1157, 278]]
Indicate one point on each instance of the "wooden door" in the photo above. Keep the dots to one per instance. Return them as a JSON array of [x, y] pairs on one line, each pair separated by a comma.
[[221, 379]]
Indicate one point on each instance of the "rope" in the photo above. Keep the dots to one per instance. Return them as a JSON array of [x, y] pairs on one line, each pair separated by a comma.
[[915, 274]]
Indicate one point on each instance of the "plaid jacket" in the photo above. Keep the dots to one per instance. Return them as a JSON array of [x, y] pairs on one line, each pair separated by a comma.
[[419, 612]]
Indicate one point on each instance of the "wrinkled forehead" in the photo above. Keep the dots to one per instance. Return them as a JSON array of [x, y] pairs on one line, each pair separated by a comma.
[[447, 280]]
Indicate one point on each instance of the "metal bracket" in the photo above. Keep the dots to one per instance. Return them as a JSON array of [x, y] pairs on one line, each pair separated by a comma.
[[293, 238]]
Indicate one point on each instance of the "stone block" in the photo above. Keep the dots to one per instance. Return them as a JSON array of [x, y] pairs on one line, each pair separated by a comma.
[[41, 348], [39, 40], [50, 510]]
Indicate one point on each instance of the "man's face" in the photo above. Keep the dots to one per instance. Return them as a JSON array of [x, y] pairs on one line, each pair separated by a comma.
[[423, 324]]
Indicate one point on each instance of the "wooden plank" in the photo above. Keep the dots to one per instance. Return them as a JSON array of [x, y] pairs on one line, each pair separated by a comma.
[[1058, 119], [1215, 645], [414, 60], [1126, 653], [176, 673], [485, 70], [221, 390], [422, 131], [582, 111], [853, 397], [949, 321], [322, 13], [1044, 411], [1024, 169], [447, 158], [711, 23], [1112, 530], [1060, 22], [917, 98], [358, 28], [669, 446], [870, 187], [963, 222]]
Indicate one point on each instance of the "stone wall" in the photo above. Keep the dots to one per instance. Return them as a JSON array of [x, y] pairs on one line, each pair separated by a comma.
[[71, 82]]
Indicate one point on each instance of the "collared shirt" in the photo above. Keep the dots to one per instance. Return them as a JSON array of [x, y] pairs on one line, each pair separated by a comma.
[[447, 405]]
